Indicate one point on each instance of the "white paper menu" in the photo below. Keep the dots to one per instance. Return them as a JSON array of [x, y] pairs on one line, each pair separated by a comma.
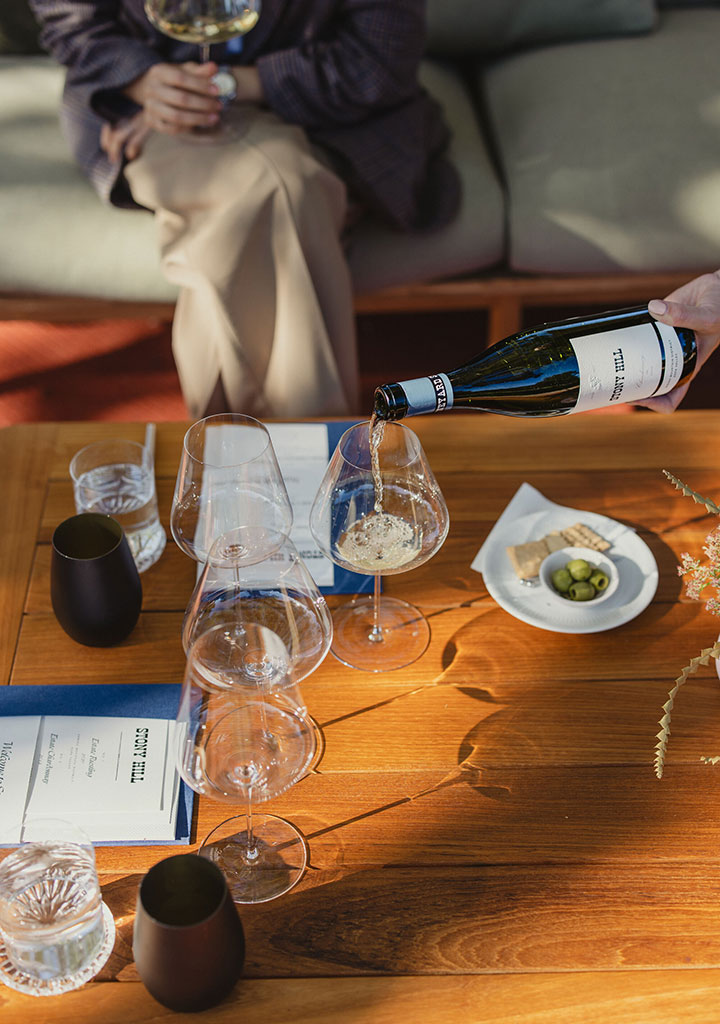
[[302, 452], [114, 777], [303, 458]]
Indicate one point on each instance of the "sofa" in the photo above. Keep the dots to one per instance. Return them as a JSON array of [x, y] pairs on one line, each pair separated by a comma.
[[586, 134]]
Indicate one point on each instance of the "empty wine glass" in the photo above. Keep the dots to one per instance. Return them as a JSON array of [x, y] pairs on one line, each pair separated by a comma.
[[379, 510], [205, 22], [228, 476], [277, 625], [252, 745]]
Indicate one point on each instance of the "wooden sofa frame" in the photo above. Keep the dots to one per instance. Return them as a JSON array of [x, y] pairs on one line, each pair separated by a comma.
[[504, 297]]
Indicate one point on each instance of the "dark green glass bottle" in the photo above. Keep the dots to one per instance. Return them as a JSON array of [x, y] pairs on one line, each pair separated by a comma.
[[585, 363]]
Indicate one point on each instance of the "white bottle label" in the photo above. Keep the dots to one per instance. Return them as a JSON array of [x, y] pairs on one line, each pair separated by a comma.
[[627, 364], [428, 394]]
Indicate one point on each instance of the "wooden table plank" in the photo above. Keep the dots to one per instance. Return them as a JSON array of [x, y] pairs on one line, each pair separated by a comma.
[[613, 997], [25, 453], [470, 645], [471, 920]]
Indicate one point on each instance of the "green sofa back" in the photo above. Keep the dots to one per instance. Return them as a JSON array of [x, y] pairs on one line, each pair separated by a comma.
[[491, 26]]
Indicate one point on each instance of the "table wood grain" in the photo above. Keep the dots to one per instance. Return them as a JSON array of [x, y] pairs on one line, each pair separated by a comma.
[[488, 842]]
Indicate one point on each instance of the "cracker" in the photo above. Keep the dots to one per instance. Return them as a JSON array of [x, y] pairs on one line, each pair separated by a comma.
[[554, 541], [582, 536], [526, 558]]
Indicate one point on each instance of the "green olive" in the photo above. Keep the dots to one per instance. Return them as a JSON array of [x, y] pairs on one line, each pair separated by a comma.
[[579, 569], [561, 580], [599, 580], [582, 590]]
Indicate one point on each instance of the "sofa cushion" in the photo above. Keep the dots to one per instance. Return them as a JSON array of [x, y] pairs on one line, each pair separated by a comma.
[[474, 240], [491, 26], [610, 150], [58, 238], [19, 30]]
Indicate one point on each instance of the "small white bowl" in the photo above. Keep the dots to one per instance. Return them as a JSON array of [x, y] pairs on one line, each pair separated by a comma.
[[559, 559]]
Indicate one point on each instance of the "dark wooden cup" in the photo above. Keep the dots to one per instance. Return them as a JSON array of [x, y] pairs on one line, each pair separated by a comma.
[[188, 940], [94, 583]]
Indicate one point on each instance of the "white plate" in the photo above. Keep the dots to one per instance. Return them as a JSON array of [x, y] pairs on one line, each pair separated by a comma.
[[636, 565]]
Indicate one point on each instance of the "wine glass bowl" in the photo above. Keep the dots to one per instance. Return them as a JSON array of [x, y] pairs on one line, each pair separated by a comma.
[[228, 477], [268, 621], [379, 510], [203, 22]]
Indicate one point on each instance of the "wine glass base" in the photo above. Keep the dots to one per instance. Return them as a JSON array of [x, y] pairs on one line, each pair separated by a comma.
[[404, 634], [278, 864]]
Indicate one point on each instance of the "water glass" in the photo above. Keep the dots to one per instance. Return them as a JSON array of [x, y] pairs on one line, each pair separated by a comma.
[[117, 478], [56, 931]]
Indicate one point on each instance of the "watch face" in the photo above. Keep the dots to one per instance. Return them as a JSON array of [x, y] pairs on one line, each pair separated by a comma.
[[225, 82]]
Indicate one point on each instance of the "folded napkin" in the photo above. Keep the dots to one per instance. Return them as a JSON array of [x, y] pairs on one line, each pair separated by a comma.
[[528, 499]]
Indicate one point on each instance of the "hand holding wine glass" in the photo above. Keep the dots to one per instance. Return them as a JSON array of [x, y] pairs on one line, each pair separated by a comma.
[[206, 22], [379, 510]]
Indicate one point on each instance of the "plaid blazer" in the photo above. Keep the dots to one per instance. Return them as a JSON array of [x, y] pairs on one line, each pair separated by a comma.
[[345, 70]]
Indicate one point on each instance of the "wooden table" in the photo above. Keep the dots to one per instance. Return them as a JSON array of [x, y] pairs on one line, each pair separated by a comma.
[[488, 842]]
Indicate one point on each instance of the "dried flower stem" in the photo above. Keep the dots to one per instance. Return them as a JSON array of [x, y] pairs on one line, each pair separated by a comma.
[[661, 747], [690, 493]]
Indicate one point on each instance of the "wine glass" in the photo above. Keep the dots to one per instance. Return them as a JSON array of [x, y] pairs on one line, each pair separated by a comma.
[[228, 476], [379, 510], [277, 625], [205, 22], [251, 745]]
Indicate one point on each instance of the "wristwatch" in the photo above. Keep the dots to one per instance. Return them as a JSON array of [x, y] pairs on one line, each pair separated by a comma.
[[224, 79]]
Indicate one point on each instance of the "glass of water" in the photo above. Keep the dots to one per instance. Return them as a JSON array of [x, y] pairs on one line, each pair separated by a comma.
[[117, 478], [55, 931]]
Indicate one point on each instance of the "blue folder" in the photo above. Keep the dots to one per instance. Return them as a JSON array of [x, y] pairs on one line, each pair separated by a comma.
[[346, 582], [109, 700]]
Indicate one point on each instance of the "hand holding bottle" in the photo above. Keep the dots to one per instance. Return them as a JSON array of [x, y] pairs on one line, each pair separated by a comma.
[[584, 363], [695, 305]]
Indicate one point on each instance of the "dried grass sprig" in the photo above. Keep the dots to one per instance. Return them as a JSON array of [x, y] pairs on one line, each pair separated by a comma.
[[690, 493], [663, 736], [700, 577]]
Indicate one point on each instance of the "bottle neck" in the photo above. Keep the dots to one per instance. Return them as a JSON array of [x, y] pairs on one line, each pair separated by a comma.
[[412, 397]]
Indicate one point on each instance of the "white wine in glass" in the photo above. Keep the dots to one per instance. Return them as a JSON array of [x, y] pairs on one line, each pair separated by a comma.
[[379, 510], [205, 22]]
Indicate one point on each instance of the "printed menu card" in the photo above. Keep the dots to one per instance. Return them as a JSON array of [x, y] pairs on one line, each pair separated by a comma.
[[112, 773]]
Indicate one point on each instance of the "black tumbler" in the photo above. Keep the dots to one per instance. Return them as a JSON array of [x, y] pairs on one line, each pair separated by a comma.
[[188, 940], [94, 583]]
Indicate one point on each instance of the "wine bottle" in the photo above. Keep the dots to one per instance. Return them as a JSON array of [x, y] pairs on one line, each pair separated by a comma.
[[588, 362]]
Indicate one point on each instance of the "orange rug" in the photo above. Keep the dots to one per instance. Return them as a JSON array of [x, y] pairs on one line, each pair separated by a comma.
[[104, 370]]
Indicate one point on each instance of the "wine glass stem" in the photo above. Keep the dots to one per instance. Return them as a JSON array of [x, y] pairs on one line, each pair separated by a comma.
[[376, 635], [204, 53], [251, 853]]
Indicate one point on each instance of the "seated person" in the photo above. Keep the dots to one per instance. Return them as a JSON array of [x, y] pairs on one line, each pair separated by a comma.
[[333, 124]]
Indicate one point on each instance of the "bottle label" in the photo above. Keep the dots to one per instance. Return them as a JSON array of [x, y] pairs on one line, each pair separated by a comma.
[[428, 394], [627, 364]]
